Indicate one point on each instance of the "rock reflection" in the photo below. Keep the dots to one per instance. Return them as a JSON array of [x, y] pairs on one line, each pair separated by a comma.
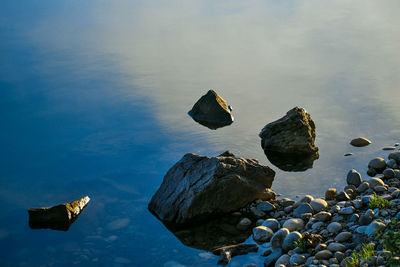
[[291, 162], [212, 126], [213, 234]]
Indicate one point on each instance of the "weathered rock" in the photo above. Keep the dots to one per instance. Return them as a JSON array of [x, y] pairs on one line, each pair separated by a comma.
[[343, 236], [330, 194], [293, 133], [378, 164], [283, 260], [272, 224], [303, 208], [227, 252], [323, 255], [262, 234], [294, 224], [278, 237], [290, 240], [354, 178], [243, 224], [323, 216], [199, 187], [360, 141], [395, 156], [211, 110], [59, 217], [334, 227], [318, 204]]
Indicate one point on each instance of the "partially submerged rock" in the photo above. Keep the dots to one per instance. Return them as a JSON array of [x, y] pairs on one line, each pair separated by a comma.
[[226, 253], [59, 217], [212, 111], [292, 134], [360, 141], [200, 187]]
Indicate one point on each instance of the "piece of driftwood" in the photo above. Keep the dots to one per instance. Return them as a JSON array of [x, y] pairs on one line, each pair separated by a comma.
[[59, 217], [228, 252]]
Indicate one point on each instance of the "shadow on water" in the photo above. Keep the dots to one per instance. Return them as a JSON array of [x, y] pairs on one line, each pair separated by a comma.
[[212, 234], [210, 125], [291, 162]]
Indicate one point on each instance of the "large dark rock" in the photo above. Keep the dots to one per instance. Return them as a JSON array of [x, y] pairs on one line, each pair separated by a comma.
[[292, 134], [211, 110], [59, 217], [200, 187]]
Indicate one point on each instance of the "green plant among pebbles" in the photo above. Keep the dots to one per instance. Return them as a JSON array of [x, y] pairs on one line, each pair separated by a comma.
[[300, 244], [365, 254], [389, 236], [378, 202]]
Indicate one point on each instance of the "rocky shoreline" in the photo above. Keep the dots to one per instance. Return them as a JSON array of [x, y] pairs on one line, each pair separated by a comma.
[[357, 226]]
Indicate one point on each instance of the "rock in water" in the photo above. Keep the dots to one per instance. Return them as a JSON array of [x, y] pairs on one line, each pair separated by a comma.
[[211, 110], [200, 187], [360, 141], [59, 217], [292, 134]]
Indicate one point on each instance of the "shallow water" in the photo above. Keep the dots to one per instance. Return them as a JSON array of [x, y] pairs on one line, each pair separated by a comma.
[[95, 95]]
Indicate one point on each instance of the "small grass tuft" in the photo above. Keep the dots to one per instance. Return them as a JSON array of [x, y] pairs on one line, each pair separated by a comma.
[[300, 244], [378, 202], [365, 254]]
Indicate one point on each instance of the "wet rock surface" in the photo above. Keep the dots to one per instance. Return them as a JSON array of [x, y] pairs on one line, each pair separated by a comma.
[[200, 187], [212, 111], [292, 134], [59, 217]]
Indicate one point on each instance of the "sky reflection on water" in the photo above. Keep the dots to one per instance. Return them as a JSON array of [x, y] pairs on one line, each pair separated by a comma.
[[95, 99]]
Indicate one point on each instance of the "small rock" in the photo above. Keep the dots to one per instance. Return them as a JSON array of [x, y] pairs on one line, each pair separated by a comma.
[[339, 255], [318, 204], [334, 227], [278, 237], [354, 218], [347, 210], [371, 172], [375, 182], [330, 194], [348, 154], [323, 255], [243, 224], [373, 227], [323, 216], [262, 234], [317, 225], [336, 247], [362, 187], [395, 156], [306, 216], [360, 141], [286, 202], [256, 212], [303, 208], [380, 189], [389, 148], [342, 196], [297, 259], [272, 224], [290, 240], [391, 163], [378, 164], [343, 236], [389, 173], [283, 260], [265, 206], [294, 224], [365, 219], [354, 178]]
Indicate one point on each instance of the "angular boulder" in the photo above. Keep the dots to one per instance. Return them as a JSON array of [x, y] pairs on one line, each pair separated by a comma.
[[292, 134], [200, 187], [211, 110], [59, 217]]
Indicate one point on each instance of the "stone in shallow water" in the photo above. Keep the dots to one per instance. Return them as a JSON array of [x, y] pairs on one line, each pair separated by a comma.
[[199, 187], [59, 217], [293, 133], [353, 178], [389, 148], [212, 111], [360, 141]]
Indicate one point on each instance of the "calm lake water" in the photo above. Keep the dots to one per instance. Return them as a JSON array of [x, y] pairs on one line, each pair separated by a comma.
[[95, 94]]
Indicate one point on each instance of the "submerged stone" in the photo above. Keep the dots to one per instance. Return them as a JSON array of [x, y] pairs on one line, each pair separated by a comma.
[[212, 111], [59, 217]]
